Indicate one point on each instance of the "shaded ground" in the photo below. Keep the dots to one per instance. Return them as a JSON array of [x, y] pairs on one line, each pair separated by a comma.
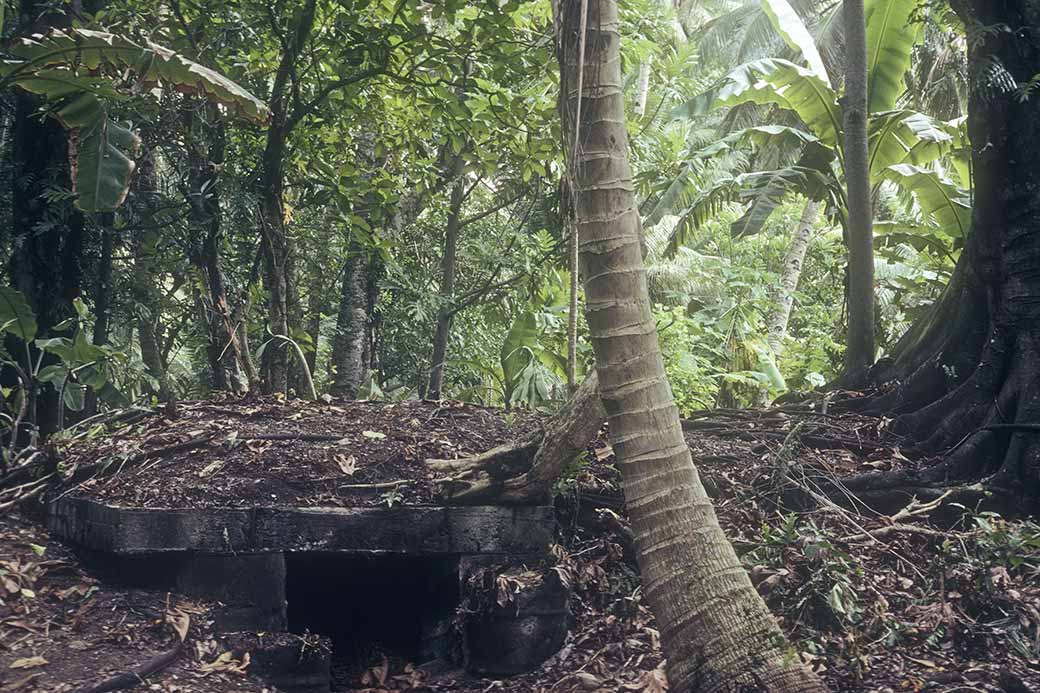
[[900, 602], [62, 630], [269, 453]]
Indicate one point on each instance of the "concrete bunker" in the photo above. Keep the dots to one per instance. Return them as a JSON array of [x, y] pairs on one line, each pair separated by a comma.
[[361, 578]]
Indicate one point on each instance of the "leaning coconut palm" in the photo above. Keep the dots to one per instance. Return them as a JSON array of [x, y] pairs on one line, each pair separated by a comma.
[[717, 633]]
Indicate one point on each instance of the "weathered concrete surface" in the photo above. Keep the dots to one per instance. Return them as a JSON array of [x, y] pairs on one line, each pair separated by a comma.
[[407, 530], [238, 558], [249, 587], [520, 636]]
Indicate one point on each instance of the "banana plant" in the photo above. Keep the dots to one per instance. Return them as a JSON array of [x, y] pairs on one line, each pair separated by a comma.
[[81, 73], [903, 143], [79, 366]]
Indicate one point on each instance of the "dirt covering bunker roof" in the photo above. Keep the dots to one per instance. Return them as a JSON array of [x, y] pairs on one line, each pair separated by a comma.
[[266, 475]]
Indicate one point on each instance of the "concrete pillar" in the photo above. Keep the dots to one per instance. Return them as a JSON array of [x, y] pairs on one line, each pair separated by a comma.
[[250, 587]]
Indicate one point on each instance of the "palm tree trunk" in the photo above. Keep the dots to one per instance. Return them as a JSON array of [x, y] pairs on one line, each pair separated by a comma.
[[859, 228], [780, 314], [717, 633]]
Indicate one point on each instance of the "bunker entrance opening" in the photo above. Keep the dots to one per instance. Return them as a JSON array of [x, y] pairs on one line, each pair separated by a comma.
[[400, 606]]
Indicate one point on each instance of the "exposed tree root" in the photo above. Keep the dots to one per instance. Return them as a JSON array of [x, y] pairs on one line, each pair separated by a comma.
[[137, 675], [523, 472]]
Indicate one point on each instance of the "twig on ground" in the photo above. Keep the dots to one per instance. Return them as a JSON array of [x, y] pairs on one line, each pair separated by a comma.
[[375, 487], [37, 488]]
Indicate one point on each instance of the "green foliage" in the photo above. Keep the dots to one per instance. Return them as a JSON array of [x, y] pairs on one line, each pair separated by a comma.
[[80, 365], [898, 139], [16, 317], [891, 36], [388, 101], [1012, 545], [68, 69]]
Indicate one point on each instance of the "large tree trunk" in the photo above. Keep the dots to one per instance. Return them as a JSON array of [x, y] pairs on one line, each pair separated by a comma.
[[966, 379], [716, 631], [445, 314], [859, 230], [780, 312], [45, 264]]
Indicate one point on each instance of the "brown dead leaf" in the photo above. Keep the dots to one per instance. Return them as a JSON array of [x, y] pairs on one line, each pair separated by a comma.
[[380, 672], [604, 452], [653, 681], [80, 590], [377, 674], [28, 663], [23, 625], [589, 681], [657, 682], [226, 664]]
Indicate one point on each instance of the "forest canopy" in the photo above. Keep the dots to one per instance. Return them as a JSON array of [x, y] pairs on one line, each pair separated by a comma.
[[373, 190]]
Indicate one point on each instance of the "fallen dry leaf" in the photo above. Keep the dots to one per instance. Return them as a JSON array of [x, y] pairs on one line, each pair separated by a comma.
[[348, 465], [377, 674], [180, 622], [227, 664], [28, 663]]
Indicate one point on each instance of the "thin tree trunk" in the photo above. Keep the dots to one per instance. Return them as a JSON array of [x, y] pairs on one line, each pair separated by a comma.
[[348, 344], [147, 311], [780, 313], [572, 309], [643, 86], [447, 290], [372, 290], [103, 288], [272, 210], [315, 308], [206, 159], [717, 633], [102, 300], [860, 233]]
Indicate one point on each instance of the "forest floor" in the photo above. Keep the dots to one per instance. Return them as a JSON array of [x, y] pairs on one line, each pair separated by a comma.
[[902, 602]]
